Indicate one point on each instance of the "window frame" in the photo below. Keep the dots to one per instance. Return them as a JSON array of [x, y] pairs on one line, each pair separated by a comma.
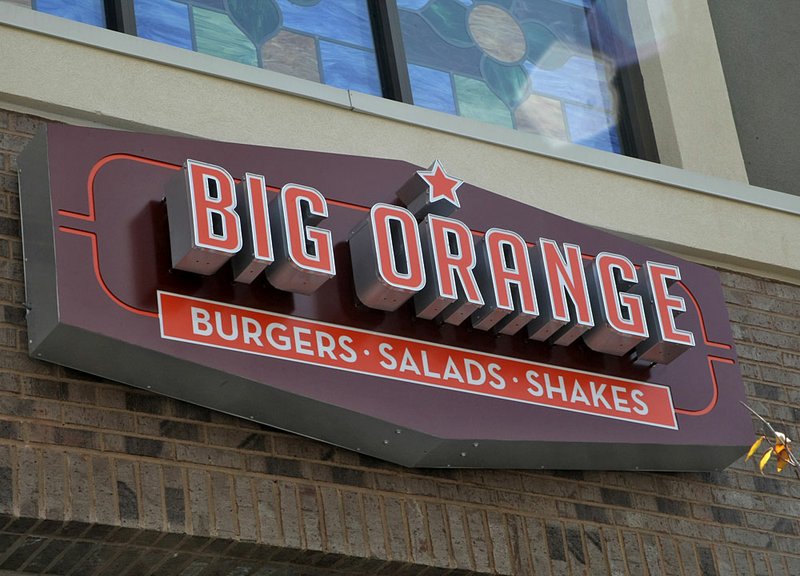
[[635, 126]]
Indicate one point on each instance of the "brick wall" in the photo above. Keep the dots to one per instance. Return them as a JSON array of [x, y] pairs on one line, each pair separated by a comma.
[[100, 478]]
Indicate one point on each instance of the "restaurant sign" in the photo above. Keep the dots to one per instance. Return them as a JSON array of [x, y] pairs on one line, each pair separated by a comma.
[[387, 308]]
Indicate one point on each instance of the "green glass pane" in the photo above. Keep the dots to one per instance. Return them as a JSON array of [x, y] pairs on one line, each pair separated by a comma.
[[217, 35], [449, 19], [544, 49], [567, 22], [509, 83], [259, 19], [476, 100]]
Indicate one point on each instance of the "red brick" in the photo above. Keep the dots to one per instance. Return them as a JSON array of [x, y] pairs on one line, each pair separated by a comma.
[[354, 525], [376, 533], [633, 552], [199, 502], [418, 532], [540, 556], [479, 540], [105, 507], [111, 397], [245, 512], [614, 550], [459, 538], [498, 538], [595, 551], [297, 447], [26, 124], [222, 497], [152, 496], [781, 290], [54, 471], [208, 456], [116, 420], [290, 515], [11, 383], [128, 493], [397, 530], [333, 520], [175, 500], [81, 392], [311, 517], [741, 281], [246, 440], [30, 408], [80, 490], [269, 512], [8, 491], [62, 436]]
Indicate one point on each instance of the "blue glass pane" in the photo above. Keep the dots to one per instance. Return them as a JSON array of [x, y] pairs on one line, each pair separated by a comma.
[[344, 20], [412, 4], [580, 80], [88, 11], [593, 128], [432, 88], [350, 68], [417, 4], [426, 48], [163, 21]]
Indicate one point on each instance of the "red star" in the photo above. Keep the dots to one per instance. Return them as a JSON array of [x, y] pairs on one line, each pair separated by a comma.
[[440, 185]]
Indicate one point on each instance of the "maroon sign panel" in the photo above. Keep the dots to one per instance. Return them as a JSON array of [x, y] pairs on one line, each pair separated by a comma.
[[388, 308]]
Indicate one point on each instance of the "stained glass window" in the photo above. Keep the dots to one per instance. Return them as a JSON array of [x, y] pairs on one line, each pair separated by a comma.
[[526, 64], [327, 41], [532, 65]]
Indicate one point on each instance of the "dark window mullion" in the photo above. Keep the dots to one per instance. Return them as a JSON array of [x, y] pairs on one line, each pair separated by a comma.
[[120, 16], [614, 38], [389, 50]]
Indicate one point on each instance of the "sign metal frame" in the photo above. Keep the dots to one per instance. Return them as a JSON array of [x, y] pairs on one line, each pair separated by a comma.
[[95, 229]]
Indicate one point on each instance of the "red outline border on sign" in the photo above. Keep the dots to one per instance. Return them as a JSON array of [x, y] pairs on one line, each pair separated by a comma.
[[96, 263]]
